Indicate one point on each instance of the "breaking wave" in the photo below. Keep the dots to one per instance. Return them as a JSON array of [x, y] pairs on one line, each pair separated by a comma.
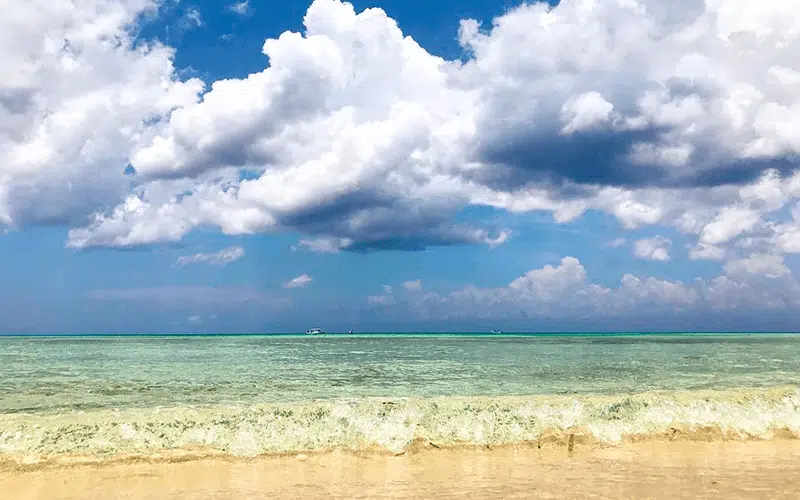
[[396, 425]]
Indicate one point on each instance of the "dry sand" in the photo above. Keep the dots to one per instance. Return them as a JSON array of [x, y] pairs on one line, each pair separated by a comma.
[[725, 470]]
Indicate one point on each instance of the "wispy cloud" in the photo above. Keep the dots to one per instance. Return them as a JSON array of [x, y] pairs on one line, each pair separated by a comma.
[[383, 300], [616, 243], [221, 258], [324, 245], [241, 8], [298, 282], [192, 19], [413, 286]]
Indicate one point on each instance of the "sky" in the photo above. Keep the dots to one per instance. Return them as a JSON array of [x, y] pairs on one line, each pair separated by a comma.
[[174, 166]]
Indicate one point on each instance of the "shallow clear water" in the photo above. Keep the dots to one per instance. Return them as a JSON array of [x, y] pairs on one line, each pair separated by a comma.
[[251, 395], [62, 373]]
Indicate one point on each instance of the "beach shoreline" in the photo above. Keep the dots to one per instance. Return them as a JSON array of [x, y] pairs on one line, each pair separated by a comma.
[[574, 442], [653, 469], [391, 426]]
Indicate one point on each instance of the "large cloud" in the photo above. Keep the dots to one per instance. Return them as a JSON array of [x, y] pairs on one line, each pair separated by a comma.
[[349, 135], [77, 95], [623, 93], [360, 139]]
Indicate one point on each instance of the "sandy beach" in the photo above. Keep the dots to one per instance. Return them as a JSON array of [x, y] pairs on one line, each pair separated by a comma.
[[766, 469]]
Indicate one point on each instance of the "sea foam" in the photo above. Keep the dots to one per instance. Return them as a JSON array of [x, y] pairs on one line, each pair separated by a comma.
[[394, 425]]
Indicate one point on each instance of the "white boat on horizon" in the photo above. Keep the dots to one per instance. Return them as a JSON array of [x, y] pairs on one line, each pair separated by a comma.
[[314, 331]]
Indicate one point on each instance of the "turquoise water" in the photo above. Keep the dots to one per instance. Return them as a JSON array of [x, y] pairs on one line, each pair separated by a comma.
[[262, 394], [63, 373]]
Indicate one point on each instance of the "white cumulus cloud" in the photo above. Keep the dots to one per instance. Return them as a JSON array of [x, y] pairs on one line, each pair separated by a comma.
[[771, 266], [565, 291], [76, 99], [656, 248]]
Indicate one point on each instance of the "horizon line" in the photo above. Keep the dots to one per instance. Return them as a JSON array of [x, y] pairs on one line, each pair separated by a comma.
[[401, 332]]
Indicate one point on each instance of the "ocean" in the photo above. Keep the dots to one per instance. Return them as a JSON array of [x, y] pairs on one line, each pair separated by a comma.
[[105, 398]]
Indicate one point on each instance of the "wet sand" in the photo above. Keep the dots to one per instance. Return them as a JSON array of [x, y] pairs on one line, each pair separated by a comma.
[[768, 469]]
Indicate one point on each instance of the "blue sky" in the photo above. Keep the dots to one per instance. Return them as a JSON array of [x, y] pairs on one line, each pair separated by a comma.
[[578, 166]]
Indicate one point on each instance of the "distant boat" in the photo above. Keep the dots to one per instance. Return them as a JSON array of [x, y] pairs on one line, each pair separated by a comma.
[[350, 331], [496, 332], [314, 331]]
